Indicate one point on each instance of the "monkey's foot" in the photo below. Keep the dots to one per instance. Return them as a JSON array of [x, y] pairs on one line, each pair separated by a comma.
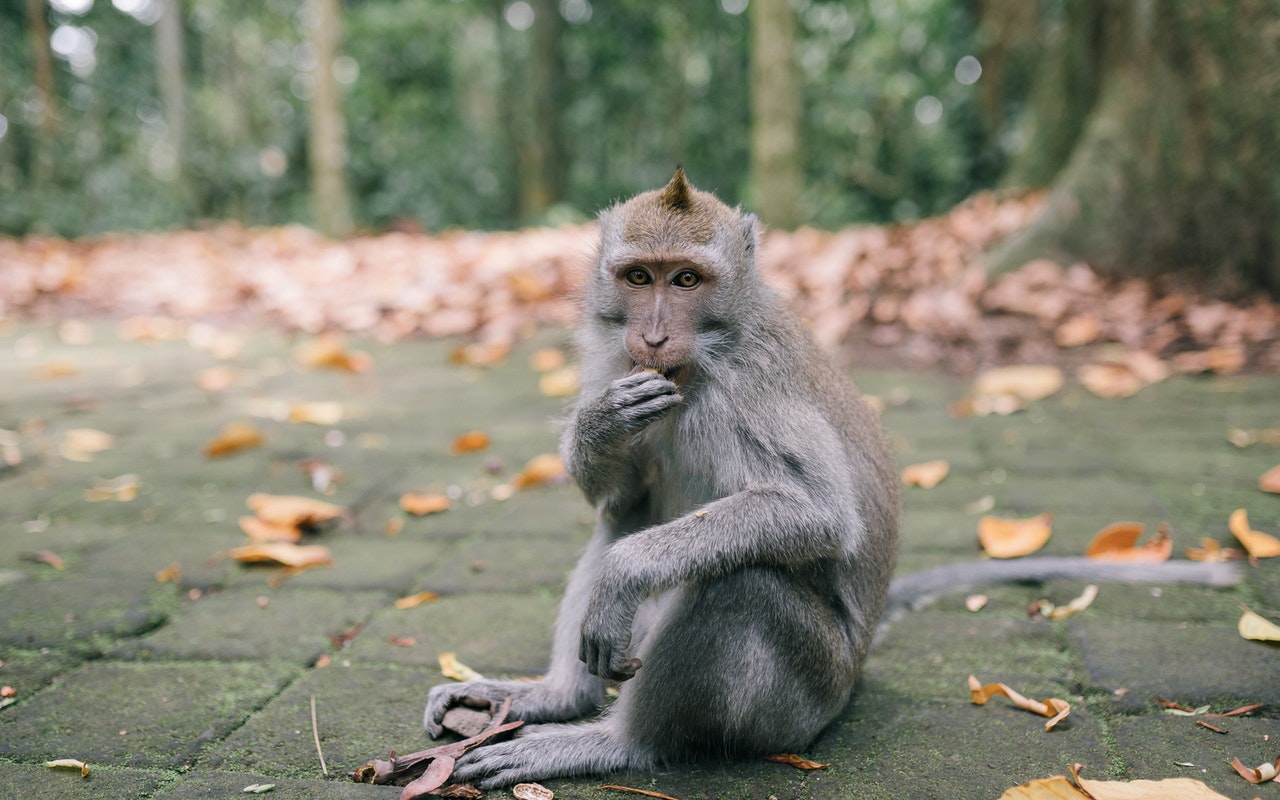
[[547, 751]]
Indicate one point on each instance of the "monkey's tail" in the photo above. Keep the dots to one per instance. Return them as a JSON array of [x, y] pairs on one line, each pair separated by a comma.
[[919, 589]]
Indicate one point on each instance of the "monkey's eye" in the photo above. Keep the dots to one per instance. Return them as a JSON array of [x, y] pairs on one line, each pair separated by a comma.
[[636, 277], [686, 279]]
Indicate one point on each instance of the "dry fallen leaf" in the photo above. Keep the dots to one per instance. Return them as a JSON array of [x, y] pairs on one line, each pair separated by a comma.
[[543, 469], [61, 368], [546, 359], [480, 355], [82, 444], [1118, 542], [926, 475], [119, 490], [284, 553], [329, 351], [656, 795], [562, 382], [69, 763], [234, 437], [316, 413], [1210, 550], [1055, 709], [415, 600], [1256, 543], [1269, 481], [454, 669], [292, 511], [469, 442], [403, 641], [1010, 538], [169, 574], [799, 762], [1073, 787], [423, 504], [46, 557], [1027, 382], [1261, 774], [532, 791], [1258, 628], [259, 530], [1043, 608], [976, 602]]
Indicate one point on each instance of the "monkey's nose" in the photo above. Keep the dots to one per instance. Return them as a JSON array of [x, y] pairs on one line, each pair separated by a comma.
[[655, 340]]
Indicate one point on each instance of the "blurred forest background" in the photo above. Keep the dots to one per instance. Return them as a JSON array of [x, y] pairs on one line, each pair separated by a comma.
[[1156, 122]]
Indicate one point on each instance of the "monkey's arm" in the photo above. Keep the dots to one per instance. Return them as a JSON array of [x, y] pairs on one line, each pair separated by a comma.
[[768, 525], [594, 445]]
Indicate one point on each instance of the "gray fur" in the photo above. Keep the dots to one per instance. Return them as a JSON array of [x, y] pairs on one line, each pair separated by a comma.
[[747, 524]]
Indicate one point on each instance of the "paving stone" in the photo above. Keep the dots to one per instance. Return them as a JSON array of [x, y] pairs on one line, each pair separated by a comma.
[[38, 782], [202, 785], [1155, 748], [289, 624], [1185, 662], [81, 612], [139, 715]]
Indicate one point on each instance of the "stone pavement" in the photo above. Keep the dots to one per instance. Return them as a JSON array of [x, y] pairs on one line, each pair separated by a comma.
[[199, 687]]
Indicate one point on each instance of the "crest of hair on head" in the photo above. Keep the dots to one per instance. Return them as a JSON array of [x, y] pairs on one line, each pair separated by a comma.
[[677, 195]]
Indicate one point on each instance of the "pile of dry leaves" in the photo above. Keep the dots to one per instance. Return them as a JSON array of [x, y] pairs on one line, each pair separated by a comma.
[[911, 296]]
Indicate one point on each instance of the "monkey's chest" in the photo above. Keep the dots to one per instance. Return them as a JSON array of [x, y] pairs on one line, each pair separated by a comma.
[[678, 484]]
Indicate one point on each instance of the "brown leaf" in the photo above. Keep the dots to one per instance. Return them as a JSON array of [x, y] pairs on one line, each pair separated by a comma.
[[1269, 481], [415, 600], [547, 359], [119, 490], [403, 641], [316, 413], [1010, 538], [469, 442], [480, 355], [260, 530], [169, 574], [292, 511], [1055, 709], [82, 444], [1110, 380], [1256, 543], [46, 557], [1210, 550], [1027, 382], [234, 437], [423, 504], [1260, 774], [1118, 542], [925, 475], [328, 351], [285, 553], [645, 792], [562, 382], [541, 470], [1043, 608], [799, 762]]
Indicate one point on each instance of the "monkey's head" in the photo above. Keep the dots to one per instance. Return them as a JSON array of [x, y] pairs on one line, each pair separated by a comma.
[[675, 271]]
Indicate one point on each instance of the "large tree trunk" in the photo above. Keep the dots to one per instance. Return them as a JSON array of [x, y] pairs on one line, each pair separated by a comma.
[[327, 143], [171, 78], [775, 114], [1174, 169], [38, 31], [542, 157]]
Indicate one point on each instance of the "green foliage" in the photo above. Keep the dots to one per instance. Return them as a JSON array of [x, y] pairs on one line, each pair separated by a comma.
[[437, 103]]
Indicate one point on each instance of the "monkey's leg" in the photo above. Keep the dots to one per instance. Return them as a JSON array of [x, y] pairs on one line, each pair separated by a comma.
[[567, 691], [748, 664]]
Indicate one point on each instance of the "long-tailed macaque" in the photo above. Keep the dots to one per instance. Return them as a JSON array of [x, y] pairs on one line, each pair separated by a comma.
[[747, 516]]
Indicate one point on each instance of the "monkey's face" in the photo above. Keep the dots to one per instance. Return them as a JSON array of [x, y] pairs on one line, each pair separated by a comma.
[[662, 304]]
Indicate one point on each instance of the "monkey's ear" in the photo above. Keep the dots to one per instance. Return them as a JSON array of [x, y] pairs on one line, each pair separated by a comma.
[[677, 195], [750, 233]]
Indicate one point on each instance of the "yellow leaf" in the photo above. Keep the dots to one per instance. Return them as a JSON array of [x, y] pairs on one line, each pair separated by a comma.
[[329, 351], [291, 511], [285, 553], [1055, 788], [81, 444], [1210, 550], [69, 763], [454, 669], [1118, 542], [234, 437], [415, 600], [1256, 627], [1010, 538], [469, 442], [318, 413], [1269, 481], [423, 504], [546, 468], [562, 382], [1055, 709], [926, 475], [547, 359], [1027, 382], [1256, 543], [120, 490], [260, 530]]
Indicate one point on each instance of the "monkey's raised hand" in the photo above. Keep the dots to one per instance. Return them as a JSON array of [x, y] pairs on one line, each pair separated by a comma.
[[631, 403]]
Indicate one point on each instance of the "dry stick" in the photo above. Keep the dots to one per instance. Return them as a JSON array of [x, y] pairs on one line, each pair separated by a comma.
[[315, 734]]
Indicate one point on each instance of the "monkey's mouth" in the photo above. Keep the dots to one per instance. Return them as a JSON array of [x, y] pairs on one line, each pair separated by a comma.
[[678, 374]]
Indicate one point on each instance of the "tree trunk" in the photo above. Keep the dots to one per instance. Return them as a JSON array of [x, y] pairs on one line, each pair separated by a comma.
[[775, 114], [38, 30], [1174, 169], [542, 158], [327, 142], [171, 79]]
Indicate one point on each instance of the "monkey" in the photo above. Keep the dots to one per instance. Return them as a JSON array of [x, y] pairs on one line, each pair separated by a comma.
[[747, 518]]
